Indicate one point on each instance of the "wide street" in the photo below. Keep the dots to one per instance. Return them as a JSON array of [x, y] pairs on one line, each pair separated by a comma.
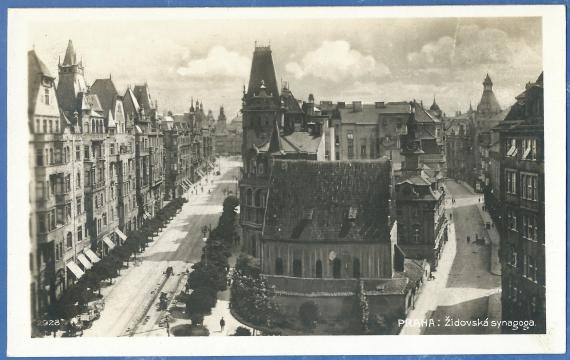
[[464, 288], [130, 300]]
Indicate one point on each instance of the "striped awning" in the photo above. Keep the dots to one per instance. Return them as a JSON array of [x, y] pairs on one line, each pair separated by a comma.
[[120, 234], [75, 269], [200, 172], [83, 260], [109, 243], [91, 255], [146, 215]]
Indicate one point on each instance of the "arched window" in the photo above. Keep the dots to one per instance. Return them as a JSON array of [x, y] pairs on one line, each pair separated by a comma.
[[279, 266], [93, 130], [356, 268], [319, 269], [336, 268], [252, 167], [297, 268], [51, 156], [69, 240]]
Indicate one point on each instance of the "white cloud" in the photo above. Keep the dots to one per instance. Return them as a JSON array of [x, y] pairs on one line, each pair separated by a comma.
[[336, 61], [220, 62], [474, 46]]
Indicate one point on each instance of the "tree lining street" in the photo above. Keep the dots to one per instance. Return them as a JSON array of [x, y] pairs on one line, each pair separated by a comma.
[[179, 245]]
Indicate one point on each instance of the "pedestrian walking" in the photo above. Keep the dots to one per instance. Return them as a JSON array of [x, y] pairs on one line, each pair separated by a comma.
[[222, 324], [450, 216], [468, 239]]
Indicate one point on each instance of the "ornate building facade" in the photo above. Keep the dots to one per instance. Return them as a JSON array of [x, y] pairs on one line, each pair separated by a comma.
[[521, 211], [96, 161]]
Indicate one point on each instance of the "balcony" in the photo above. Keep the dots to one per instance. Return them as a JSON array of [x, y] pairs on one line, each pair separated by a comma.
[[95, 186], [63, 197]]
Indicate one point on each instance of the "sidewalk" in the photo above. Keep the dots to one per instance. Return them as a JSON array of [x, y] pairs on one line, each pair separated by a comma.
[[427, 301]]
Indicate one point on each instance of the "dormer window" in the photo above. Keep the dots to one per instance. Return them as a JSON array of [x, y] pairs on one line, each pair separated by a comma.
[[352, 212], [308, 214], [512, 147]]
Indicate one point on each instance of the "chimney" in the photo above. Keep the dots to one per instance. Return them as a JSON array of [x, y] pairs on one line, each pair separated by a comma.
[[357, 106], [379, 104]]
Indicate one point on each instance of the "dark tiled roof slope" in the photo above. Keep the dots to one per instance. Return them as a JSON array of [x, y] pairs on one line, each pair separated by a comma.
[[36, 69], [328, 190], [106, 92]]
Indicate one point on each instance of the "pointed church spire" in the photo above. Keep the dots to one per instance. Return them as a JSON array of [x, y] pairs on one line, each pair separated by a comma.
[[70, 56]]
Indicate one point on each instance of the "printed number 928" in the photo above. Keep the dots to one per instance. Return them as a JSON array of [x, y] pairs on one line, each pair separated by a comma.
[[55, 322]]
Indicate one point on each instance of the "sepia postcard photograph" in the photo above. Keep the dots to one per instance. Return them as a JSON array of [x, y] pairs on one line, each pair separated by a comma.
[[344, 180]]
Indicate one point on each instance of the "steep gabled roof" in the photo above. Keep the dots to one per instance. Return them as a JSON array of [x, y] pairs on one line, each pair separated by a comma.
[[142, 94], [131, 103], [106, 92], [330, 190], [36, 70]]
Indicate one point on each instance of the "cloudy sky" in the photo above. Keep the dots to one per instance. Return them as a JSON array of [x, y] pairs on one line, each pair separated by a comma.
[[335, 58]]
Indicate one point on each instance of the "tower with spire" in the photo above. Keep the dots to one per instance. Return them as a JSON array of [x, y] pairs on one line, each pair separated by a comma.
[[261, 102], [488, 105], [435, 109], [71, 79]]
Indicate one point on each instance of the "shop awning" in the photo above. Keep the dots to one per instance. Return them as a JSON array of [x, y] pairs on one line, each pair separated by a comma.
[[200, 172], [146, 215], [109, 243], [83, 260], [91, 255], [120, 234], [75, 269]]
